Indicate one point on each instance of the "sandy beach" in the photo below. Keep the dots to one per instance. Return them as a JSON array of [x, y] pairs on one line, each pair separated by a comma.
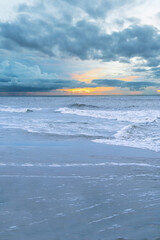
[[76, 189]]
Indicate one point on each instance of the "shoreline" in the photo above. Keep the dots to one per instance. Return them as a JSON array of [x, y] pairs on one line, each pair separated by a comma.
[[89, 190], [47, 140]]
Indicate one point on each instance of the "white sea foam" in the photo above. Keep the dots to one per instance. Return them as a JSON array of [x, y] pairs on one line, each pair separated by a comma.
[[134, 135], [126, 211], [144, 116], [146, 143], [140, 130], [88, 208], [67, 165], [105, 124], [18, 110], [124, 132], [60, 129]]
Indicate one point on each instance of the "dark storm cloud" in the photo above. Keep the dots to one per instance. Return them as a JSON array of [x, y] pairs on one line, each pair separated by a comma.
[[39, 85], [24, 34], [72, 28], [84, 40], [123, 84], [4, 80], [61, 34], [15, 76]]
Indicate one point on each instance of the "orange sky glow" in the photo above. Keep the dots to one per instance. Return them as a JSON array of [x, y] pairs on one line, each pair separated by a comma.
[[88, 91], [87, 77]]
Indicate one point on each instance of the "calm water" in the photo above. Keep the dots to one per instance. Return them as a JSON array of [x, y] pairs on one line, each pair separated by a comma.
[[59, 178]]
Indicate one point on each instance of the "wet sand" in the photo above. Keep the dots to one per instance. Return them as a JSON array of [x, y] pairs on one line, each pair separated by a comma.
[[77, 190]]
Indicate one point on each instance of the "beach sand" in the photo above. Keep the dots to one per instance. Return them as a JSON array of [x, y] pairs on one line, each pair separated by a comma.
[[54, 189]]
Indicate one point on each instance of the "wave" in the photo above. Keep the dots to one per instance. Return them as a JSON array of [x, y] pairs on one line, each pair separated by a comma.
[[82, 105], [144, 116], [133, 135], [146, 143], [56, 165], [18, 110], [125, 132], [69, 129]]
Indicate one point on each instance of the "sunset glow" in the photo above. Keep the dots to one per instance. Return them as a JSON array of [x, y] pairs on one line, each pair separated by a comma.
[[87, 77], [88, 91]]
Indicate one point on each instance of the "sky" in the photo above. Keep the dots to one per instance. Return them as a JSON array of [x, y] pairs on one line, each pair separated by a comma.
[[72, 47]]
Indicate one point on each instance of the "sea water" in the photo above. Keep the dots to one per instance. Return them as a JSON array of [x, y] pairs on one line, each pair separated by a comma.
[[63, 178], [131, 121]]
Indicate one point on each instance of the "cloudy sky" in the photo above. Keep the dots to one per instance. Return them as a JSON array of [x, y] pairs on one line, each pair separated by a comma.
[[67, 47]]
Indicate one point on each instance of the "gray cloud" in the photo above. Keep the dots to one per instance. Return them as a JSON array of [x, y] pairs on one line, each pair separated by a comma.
[[83, 40], [40, 85], [72, 28], [98, 9], [133, 86], [45, 86], [156, 72], [69, 33], [17, 77], [140, 70]]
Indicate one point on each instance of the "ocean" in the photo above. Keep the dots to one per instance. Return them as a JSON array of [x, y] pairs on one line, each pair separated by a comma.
[[80, 168], [131, 121]]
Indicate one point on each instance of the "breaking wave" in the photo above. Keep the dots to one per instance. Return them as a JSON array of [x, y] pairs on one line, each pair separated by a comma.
[[134, 135], [125, 132], [147, 144], [143, 116], [131, 136], [100, 120]]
